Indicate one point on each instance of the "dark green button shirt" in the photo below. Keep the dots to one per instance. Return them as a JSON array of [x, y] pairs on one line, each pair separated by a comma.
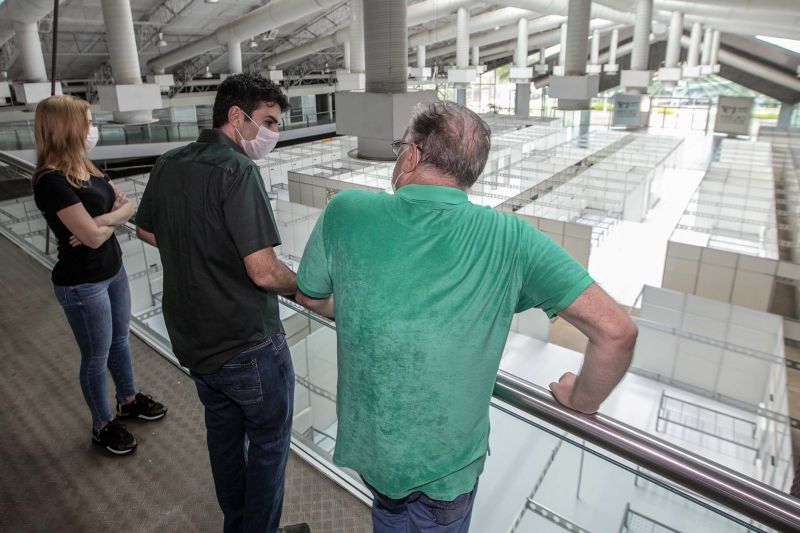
[[425, 286], [207, 206]]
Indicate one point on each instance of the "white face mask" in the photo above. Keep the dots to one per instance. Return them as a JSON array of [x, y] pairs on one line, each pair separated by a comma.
[[263, 143], [92, 137]]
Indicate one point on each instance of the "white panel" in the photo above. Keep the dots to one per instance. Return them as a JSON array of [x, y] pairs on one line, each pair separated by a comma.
[[697, 364], [715, 282], [752, 290], [680, 274], [743, 377]]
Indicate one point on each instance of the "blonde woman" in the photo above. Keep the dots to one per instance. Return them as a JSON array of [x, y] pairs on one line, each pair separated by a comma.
[[82, 209]]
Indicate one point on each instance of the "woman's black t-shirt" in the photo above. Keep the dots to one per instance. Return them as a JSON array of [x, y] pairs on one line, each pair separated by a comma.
[[78, 264]]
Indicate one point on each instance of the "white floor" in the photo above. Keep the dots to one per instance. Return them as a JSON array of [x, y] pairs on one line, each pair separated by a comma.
[[632, 255]]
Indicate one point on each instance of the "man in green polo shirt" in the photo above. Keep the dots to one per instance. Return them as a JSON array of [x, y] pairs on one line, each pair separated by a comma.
[[206, 209], [424, 285]]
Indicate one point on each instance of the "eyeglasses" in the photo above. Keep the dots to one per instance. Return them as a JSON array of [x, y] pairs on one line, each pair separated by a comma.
[[396, 146]]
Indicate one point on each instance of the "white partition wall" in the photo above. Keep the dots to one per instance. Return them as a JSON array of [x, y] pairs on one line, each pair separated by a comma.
[[722, 351], [725, 246]]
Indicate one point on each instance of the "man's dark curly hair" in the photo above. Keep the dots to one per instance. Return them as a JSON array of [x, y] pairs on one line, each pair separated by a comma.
[[246, 91]]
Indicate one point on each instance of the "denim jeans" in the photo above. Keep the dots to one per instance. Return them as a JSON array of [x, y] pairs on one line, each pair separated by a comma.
[[99, 315], [417, 513], [248, 411]]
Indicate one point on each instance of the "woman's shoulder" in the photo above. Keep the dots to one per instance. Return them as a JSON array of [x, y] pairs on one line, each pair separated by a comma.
[[48, 176]]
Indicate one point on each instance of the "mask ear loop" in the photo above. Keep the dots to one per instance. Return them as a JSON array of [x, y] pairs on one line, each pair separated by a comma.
[[394, 181]]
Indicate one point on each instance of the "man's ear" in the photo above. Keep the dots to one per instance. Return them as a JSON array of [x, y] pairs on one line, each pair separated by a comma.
[[234, 116]]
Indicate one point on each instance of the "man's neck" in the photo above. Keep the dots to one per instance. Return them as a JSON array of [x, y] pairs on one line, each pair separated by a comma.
[[230, 132], [432, 179]]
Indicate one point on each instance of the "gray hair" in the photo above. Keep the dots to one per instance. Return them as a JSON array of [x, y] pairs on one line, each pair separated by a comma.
[[452, 139]]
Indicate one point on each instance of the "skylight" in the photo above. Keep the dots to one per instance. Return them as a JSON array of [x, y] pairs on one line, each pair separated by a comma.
[[792, 45]]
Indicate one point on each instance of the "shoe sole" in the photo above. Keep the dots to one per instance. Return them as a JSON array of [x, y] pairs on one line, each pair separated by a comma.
[[143, 417], [112, 450]]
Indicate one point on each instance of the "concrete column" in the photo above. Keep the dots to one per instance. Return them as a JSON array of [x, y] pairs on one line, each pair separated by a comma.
[[595, 50], [330, 106], [386, 38], [30, 52], [462, 38], [706, 55], [421, 56], [713, 58], [542, 55], [476, 56], [346, 55], [612, 47], [521, 50], [562, 52], [785, 116], [673, 55], [234, 57], [461, 95], [578, 16], [640, 55], [522, 101], [357, 61], [121, 41], [692, 57]]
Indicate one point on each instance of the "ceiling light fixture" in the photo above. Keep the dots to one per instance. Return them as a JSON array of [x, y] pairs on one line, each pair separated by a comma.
[[207, 74], [161, 43], [212, 1], [253, 43]]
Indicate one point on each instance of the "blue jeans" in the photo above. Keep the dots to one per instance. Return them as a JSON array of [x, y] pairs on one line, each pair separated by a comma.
[[417, 513], [248, 411], [99, 315]]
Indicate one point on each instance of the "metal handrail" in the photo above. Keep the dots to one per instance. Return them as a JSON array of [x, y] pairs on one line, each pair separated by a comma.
[[727, 487]]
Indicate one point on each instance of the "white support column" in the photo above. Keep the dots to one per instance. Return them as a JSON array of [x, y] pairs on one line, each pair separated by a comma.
[[612, 67], [381, 113], [352, 77], [462, 38], [541, 67], [30, 52], [521, 72], [357, 62], [637, 79], [594, 66], [562, 51], [673, 54], [521, 51], [130, 100], [640, 55], [346, 55], [234, 57], [713, 58], [476, 56], [671, 72], [706, 55], [691, 69], [575, 89], [463, 73], [421, 56], [121, 41]]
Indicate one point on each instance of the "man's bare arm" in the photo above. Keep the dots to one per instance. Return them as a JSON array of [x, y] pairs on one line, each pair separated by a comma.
[[146, 236], [268, 272], [321, 306], [612, 336]]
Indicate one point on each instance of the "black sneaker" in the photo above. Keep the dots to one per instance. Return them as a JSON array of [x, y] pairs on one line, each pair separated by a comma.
[[295, 528], [143, 407], [115, 438]]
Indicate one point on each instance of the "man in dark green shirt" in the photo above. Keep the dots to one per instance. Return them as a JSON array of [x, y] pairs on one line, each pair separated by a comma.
[[206, 209], [424, 285]]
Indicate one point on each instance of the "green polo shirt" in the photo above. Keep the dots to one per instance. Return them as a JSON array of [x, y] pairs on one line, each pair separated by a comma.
[[207, 206], [425, 286]]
